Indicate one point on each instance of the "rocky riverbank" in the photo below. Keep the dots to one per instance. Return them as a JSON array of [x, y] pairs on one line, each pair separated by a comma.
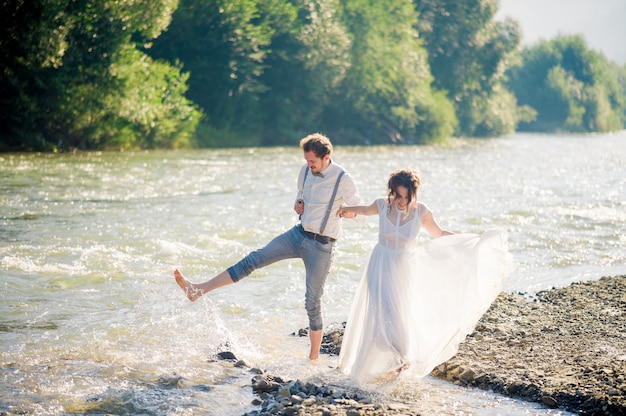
[[564, 348]]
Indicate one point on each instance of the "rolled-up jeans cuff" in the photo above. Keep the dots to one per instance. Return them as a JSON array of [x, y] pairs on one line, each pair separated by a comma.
[[233, 275]]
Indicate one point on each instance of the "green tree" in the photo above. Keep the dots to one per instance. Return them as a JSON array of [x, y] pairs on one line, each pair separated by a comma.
[[386, 96], [224, 45], [305, 68], [571, 87], [469, 53], [151, 110], [619, 74], [64, 70], [32, 44]]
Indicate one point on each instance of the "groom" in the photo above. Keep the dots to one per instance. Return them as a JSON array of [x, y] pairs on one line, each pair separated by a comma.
[[323, 186]]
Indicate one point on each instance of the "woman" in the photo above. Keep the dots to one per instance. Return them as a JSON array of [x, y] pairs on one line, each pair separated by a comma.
[[415, 304]]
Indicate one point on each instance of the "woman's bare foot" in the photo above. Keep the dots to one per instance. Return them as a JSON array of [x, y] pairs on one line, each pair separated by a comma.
[[189, 288], [403, 367], [393, 373], [386, 377]]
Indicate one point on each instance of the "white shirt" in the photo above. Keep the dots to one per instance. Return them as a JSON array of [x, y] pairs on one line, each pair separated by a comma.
[[316, 194]]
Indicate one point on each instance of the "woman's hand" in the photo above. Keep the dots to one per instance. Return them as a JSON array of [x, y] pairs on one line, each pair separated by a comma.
[[345, 212]]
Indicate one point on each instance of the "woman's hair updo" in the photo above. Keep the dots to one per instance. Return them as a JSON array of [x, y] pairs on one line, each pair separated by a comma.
[[406, 177]]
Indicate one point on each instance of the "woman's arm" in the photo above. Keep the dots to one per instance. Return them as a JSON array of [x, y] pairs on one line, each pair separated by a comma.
[[431, 226], [371, 209]]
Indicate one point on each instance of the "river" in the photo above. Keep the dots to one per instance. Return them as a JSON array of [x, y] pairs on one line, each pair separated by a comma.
[[91, 320]]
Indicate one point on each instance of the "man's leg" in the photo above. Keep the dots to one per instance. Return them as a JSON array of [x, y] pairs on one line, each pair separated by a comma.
[[284, 246], [316, 343], [317, 259]]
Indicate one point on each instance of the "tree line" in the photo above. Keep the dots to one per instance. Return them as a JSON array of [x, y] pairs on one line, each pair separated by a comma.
[[109, 74]]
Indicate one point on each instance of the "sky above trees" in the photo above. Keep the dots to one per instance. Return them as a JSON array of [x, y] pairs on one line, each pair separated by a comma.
[[599, 21]]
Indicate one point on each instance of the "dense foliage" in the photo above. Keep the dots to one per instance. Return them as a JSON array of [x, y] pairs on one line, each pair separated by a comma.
[[354, 69], [104, 74], [468, 53], [72, 76], [571, 87]]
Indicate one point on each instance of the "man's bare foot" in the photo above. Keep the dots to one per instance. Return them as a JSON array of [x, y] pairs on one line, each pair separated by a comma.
[[189, 288]]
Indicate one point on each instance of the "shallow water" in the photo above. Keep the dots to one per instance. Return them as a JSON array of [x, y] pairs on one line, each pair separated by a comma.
[[91, 320]]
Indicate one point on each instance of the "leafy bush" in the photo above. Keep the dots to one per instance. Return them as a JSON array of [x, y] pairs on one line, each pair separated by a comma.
[[570, 87]]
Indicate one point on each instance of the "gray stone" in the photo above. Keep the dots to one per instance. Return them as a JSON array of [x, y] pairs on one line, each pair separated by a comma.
[[549, 401], [284, 392], [467, 376], [310, 401]]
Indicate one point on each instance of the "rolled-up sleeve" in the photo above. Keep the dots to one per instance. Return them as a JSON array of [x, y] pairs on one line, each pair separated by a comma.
[[350, 194], [317, 192]]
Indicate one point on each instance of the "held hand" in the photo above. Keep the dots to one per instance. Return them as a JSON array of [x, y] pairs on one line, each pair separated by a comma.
[[344, 213]]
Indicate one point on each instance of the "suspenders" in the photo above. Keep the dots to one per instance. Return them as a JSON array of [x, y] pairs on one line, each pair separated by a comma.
[[332, 198]]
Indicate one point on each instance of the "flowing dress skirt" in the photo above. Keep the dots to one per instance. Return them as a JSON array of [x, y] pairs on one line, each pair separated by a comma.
[[414, 306]]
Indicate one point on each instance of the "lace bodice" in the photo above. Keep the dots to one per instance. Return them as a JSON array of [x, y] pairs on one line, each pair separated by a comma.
[[398, 230]]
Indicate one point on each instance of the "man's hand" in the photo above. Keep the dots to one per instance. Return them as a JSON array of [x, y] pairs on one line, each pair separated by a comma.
[[299, 206]]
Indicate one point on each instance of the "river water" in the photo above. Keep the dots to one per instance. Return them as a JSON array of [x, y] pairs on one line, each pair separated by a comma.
[[91, 320]]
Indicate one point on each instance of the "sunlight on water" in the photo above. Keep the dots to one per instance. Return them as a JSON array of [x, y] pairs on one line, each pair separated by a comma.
[[92, 321]]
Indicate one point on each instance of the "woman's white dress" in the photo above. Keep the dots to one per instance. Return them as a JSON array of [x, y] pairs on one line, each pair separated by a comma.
[[416, 303]]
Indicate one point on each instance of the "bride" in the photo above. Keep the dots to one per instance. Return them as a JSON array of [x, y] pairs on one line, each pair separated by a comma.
[[416, 303]]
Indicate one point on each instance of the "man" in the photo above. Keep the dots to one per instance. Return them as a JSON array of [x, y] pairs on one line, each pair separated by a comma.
[[323, 186]]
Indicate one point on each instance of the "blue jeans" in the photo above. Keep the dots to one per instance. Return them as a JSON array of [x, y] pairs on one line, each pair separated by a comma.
[[317, 258]]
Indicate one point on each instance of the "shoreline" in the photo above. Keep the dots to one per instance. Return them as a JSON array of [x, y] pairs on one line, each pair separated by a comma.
[[564, 348]]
